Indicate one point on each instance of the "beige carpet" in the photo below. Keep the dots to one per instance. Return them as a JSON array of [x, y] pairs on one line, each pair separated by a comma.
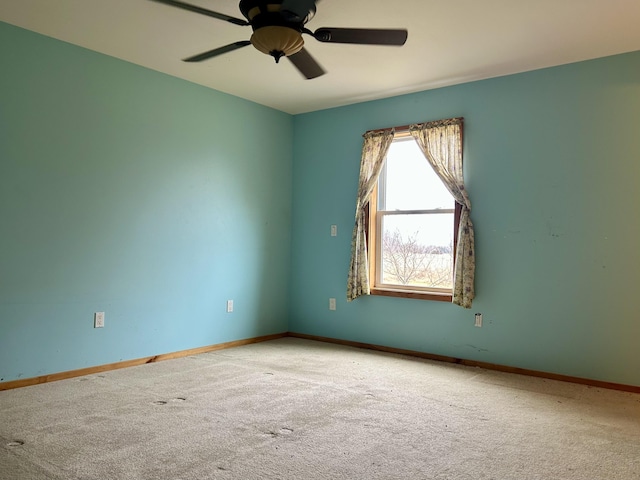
[[295, 409]]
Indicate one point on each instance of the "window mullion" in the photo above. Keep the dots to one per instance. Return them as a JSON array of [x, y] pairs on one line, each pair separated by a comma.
[[417, 212]]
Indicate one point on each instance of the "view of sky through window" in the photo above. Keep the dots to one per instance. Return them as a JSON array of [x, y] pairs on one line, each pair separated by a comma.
[[411, 182]]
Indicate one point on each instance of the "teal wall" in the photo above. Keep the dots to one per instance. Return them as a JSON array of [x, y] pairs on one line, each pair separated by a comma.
[[552, 165], [134, 193], [155, 200]]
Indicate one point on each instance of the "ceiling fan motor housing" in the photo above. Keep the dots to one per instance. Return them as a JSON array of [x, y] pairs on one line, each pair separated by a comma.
[[276, 32]]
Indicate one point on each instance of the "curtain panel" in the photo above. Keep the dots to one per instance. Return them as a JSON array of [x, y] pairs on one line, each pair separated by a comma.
[[441, 144], [374, 152]]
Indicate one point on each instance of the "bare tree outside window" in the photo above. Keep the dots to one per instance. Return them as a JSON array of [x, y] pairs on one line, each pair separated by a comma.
[[406, 261]]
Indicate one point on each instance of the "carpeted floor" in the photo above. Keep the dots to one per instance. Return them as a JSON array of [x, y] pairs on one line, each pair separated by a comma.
[[296, 409]]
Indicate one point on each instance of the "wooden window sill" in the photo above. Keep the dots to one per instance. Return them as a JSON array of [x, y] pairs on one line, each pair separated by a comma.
[[438, 297]]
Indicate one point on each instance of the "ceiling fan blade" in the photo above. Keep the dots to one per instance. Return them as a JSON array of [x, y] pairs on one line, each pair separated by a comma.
[[203, 11], [217, 51], [362, 36], [306, 64]]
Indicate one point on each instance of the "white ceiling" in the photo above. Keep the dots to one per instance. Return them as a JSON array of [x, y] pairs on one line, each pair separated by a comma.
[[450, 42]]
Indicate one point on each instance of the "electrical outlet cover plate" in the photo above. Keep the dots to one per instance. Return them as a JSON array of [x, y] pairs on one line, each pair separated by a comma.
[[478, 320], [98, 320]]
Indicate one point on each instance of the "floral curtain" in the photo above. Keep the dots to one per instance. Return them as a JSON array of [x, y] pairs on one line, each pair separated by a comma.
[[441, 143], [374, 151]]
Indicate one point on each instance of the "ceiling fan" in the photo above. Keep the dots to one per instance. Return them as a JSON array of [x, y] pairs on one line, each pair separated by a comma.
[[278, 26]]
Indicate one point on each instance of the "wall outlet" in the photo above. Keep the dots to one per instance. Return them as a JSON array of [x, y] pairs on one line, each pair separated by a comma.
[[334, 230], [229, 306], [478, 320], [98, 320], [332, 304]]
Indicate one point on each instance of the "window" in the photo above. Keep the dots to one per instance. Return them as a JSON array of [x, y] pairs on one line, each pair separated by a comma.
[[412, 227], [385, 206]]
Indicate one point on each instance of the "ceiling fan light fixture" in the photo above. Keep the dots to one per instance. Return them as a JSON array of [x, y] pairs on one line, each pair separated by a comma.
[[278, 26], [277, 41]]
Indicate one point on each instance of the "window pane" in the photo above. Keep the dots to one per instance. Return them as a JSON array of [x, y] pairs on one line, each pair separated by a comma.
[[411, 183], [417, 250]]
